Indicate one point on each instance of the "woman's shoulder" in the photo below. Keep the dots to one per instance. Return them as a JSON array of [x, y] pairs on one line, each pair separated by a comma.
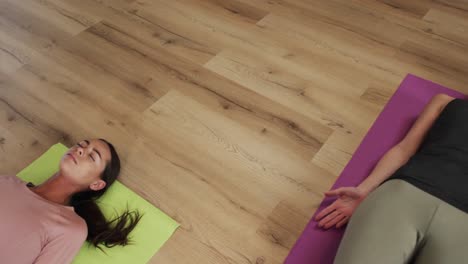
[[74, 222], [76, 228], [70, 224]]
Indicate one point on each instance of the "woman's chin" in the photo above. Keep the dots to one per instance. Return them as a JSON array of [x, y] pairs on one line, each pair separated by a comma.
[[66, 166]]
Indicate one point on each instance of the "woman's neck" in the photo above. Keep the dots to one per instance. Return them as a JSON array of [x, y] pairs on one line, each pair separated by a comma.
[[56, 189]]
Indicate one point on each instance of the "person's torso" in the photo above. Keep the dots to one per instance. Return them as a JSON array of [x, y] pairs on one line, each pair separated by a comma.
[[28, 221]]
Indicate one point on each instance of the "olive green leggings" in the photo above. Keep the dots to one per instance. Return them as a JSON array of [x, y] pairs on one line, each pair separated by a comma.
[[400, 223]]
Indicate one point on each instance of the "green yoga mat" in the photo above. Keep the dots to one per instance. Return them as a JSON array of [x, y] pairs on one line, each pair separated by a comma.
[[153, 230]]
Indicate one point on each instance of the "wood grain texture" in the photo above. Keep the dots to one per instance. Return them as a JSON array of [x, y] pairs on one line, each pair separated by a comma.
[[231, 116]]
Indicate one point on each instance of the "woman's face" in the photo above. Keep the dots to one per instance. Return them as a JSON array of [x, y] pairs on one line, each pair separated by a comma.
[[83, 163]]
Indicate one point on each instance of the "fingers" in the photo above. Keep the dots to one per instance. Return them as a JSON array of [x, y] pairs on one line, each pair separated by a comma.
[[325, 211], [328, 221], [335, 220], [342, 222], [333, 192], [349, 191]]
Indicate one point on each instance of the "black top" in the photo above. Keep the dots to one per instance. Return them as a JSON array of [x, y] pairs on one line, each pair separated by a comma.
[[440, 165]]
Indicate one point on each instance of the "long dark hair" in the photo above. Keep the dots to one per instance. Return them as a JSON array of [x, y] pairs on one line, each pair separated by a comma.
[[99, 229]]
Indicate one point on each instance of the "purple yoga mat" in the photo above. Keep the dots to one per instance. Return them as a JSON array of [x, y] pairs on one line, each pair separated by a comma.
[[319, 246]]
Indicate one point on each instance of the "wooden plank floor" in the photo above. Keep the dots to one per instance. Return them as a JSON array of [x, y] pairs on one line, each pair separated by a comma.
[[231, 116]]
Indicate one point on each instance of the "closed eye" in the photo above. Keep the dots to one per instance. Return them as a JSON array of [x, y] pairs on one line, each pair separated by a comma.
[[91, 156]]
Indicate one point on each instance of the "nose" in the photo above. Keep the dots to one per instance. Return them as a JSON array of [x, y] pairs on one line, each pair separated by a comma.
[[80, 151]]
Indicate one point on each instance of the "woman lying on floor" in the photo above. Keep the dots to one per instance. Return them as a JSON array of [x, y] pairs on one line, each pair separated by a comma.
[[413, 207], [49, 223]]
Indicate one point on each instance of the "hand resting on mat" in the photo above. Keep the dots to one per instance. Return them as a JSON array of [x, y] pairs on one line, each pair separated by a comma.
[[339, 212]]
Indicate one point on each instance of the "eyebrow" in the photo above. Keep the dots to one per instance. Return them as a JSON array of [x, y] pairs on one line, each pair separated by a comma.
[[87, 142]]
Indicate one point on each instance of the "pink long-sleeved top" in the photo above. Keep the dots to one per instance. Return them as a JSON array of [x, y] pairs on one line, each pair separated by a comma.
[[34, 229]]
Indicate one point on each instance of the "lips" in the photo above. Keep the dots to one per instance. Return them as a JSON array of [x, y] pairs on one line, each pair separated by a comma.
[[74, 159]]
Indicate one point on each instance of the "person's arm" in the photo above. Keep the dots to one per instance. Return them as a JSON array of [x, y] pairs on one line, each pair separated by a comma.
[[387, 165], [399, 154]]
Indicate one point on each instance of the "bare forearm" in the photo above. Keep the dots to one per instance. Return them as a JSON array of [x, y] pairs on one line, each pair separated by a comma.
[[387, 165]]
